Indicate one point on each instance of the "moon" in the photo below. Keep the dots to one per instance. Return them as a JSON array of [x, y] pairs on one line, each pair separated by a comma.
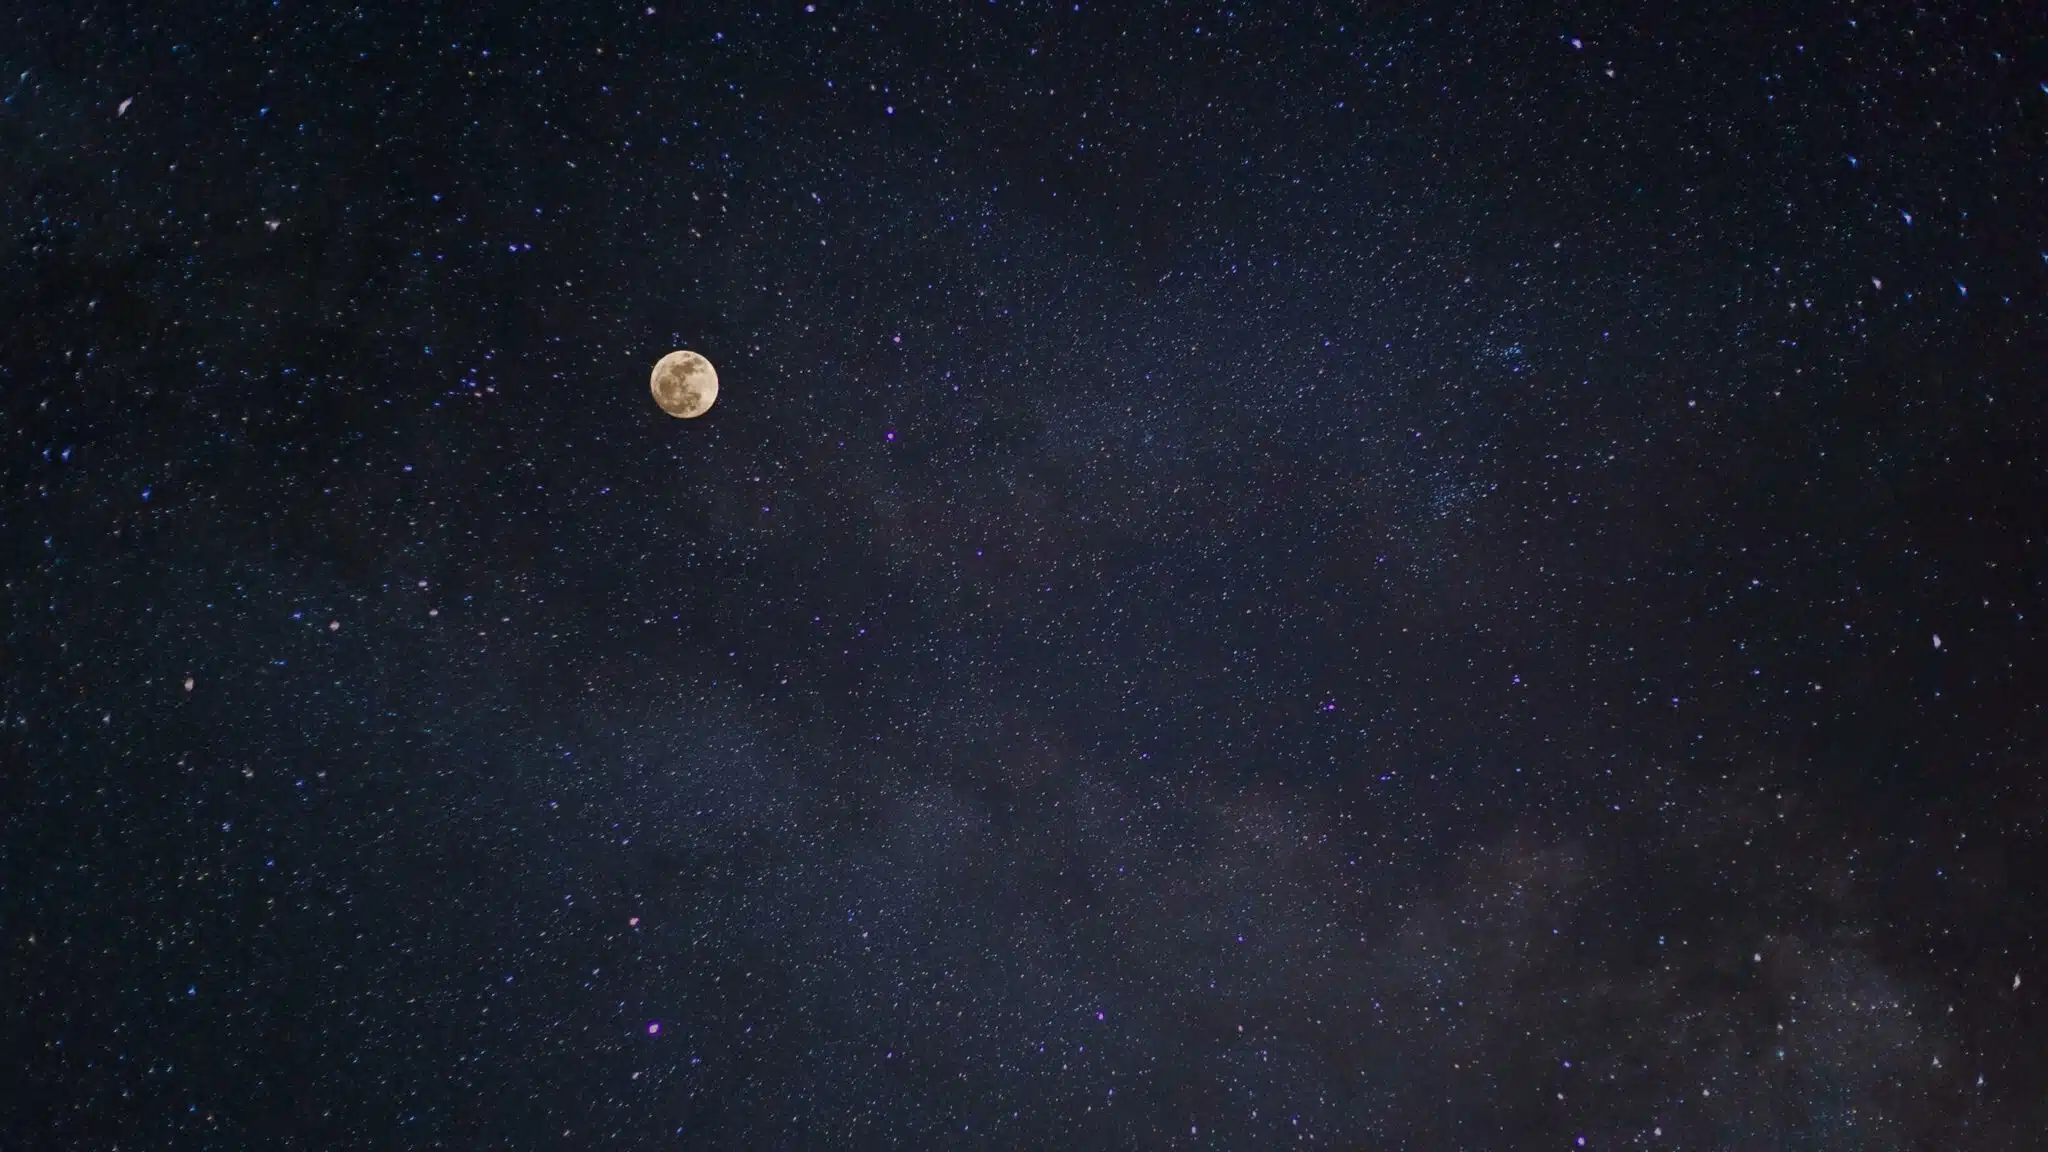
[[684, 384]]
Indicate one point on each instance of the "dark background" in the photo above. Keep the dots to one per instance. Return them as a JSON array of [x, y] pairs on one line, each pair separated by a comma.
[[1365, 575]]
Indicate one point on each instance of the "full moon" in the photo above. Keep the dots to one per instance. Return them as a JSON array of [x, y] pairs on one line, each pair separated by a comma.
[[684, 384]]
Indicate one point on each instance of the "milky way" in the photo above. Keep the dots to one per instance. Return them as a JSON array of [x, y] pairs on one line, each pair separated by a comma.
[[1423, 577]]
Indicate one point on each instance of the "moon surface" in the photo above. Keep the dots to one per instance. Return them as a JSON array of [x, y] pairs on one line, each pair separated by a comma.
[[684, 384]]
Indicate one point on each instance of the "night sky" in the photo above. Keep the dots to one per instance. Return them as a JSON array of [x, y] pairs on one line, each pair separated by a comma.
[[1380, 575]]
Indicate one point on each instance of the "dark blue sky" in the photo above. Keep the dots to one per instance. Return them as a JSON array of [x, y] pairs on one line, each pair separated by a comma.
[[1399, 576]]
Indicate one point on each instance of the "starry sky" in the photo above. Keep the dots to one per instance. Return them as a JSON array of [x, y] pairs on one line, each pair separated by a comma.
[[1408, 575]]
